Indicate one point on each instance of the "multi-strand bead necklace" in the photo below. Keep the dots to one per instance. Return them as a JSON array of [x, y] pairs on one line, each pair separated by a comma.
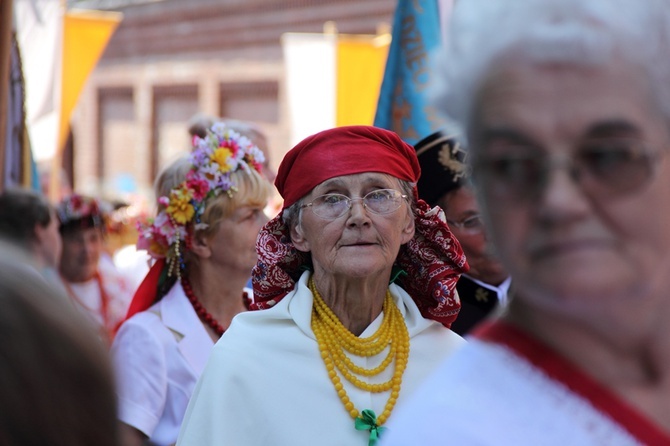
[[336, 342]]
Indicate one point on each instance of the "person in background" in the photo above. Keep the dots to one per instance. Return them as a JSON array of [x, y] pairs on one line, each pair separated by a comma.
[[210, 210], [351, 280], [446, 182], [93, 285], [29, 221], [56, 384], [567, 118]]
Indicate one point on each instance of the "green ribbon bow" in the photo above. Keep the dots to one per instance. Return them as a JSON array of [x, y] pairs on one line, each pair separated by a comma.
[[368, 422]]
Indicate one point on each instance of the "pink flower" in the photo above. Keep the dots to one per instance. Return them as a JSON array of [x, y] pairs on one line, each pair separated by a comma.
[[199, 188]]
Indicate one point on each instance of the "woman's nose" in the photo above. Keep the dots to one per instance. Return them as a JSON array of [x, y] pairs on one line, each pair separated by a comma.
[[358, 212], [562, 196]]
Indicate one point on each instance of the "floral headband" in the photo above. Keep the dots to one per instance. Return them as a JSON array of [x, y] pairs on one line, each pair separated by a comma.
[[213, 159], [81, 211]]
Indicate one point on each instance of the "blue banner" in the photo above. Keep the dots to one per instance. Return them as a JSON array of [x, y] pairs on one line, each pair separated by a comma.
[[403, 104]]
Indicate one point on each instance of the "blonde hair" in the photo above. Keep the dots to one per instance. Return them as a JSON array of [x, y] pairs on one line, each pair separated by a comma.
[[169, 178]]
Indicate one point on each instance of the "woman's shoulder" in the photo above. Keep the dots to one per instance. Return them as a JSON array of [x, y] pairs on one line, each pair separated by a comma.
[[257, 331], [152, 319]]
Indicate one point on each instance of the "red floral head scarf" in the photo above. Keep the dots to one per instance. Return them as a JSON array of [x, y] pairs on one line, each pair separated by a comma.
[[433, 259]]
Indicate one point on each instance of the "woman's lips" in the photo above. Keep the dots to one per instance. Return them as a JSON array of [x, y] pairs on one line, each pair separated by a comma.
[[569, 247]]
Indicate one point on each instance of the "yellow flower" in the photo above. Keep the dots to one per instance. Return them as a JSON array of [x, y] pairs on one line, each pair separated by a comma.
[[221, 157], [180, 207]]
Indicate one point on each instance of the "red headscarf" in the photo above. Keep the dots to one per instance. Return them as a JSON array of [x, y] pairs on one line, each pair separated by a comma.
[[433, 259], [344, 151]]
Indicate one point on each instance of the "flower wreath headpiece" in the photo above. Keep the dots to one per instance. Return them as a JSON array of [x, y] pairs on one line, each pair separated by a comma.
[[81, 211], [213, 159]]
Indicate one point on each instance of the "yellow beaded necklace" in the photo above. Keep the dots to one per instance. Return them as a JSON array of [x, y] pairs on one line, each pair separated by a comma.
[[334, 339]]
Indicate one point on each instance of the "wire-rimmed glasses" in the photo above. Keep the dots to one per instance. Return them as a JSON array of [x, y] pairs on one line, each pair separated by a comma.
[[603, 168], [379, 201], [472, 224]]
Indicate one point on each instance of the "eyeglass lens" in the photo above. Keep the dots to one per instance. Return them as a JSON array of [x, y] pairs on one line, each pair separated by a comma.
[[381, 201], [602, 168], [470, 224]]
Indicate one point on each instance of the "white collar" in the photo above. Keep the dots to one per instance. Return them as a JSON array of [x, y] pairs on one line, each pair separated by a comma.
[[501, 290], [178, 315]]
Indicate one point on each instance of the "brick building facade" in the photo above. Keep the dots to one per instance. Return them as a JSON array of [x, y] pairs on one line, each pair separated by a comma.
[[170, 59]]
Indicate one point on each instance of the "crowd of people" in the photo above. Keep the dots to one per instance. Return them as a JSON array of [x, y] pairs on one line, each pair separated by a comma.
[[502, 282]]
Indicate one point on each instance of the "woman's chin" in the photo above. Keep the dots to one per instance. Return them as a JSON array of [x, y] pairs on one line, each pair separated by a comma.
[[360, 268]]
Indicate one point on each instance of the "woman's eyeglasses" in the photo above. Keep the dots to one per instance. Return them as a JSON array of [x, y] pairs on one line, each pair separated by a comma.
[[472, 225], [603, 168], [332, 206]]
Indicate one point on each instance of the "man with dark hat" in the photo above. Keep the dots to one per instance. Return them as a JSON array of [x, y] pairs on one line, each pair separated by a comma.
[[91, 281], [445, 182]]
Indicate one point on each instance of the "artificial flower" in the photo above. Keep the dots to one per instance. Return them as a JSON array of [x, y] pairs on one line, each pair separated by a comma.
[[199, 187], [180, 207]]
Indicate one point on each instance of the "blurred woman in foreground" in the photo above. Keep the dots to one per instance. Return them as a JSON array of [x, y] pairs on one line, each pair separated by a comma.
[[567, 117]]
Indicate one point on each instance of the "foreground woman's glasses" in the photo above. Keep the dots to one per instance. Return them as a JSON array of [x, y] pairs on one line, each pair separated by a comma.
[[332, 206], [603, 168]]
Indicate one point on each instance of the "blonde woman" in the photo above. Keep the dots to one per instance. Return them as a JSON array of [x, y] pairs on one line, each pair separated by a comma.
[[203, 237]]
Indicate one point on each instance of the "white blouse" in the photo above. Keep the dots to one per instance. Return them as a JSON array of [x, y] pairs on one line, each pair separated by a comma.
[[158, 356]]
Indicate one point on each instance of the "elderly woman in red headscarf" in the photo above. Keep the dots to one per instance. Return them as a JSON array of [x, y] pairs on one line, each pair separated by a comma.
[[356, 281]]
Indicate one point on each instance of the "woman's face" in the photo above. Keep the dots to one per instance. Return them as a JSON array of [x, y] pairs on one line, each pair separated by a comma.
[[570, 242], [359, 243], [81, 251], [233, 243], [459, 205]]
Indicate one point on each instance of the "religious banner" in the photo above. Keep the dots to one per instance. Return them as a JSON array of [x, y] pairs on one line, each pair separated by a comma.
[[404, 103], [85, 36], [39, 26], [332, 80]]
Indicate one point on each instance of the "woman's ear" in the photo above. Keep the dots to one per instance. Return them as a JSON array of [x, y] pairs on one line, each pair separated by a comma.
[[298, 238], [408, 228], [200, 245]]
